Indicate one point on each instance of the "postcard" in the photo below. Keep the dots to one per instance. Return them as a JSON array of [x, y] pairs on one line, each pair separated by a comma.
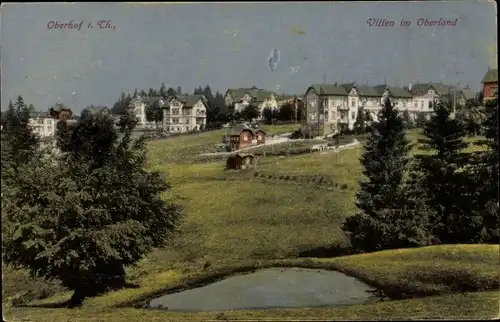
[[267, 160]]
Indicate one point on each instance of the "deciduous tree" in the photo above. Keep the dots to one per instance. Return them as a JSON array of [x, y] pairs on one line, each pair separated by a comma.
[[84, 218]]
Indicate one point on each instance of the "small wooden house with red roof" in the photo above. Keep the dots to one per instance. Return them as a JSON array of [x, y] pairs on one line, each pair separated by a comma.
[[242, 136]]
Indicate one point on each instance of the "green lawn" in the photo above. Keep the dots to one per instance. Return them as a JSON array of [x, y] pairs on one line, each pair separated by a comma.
[[234, 220], [438, 271]]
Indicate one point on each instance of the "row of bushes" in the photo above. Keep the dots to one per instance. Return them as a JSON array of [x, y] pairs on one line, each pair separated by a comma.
[[286, 148], [317, 179]]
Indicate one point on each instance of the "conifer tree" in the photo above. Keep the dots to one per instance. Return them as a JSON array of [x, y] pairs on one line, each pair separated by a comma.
[[18, 140], [439, 174], [389, 216], [488, 177]]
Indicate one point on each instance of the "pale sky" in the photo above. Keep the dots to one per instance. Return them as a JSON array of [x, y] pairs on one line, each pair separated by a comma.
[[227, 45]]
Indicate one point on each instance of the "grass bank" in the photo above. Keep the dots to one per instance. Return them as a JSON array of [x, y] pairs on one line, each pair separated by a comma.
[[438, 271]]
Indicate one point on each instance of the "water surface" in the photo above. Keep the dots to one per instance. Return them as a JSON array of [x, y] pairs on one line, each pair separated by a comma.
[[271, 288]]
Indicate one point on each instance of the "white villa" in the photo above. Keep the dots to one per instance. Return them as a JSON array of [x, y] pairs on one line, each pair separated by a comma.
[[242, 97], [184, 113], [425, 93], [335, 107], [43, 124], [138, 104]]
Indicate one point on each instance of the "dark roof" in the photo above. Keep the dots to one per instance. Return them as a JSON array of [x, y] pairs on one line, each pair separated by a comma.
[[368, 91], [396, 92], [97, 110], [329, 89], [348, 87], [491, 76], [258, 95], [188, 100], [468, 93], [36, 114], [238, 128], [422, 88], [146, 100], [344, 89]]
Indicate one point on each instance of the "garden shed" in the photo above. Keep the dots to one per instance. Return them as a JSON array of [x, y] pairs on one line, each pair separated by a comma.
[[240, 161]]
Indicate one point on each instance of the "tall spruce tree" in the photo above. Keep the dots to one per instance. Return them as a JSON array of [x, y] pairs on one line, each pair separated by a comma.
[[438, 172], [18, 140], [84, 218], [488, 177], [389, 216]]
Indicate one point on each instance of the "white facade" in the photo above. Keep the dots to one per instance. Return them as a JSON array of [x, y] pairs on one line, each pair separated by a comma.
[[421, 102], [179, 117], [251, 95], [44, 126], [139, 107]]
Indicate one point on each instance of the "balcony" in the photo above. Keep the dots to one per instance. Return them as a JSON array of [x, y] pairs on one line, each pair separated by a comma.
[[342, 108]]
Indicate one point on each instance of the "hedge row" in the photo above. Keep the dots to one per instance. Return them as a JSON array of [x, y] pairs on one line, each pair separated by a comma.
[[318, 179]]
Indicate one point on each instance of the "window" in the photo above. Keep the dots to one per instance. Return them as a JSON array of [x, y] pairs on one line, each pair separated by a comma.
[[353, 103], [494, 91], [421, 104], [187, 128], [404, 104], [187, 121], [353, 115], [415, 104]]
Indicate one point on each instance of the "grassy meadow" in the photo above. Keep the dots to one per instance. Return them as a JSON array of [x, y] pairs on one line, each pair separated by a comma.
[[238, 221]]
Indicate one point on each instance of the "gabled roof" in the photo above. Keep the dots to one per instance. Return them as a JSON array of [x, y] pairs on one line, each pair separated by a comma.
[[35, 115], [491, 76], [368, 91], [238, 128], [396, 92], [349, 86], [422, 88], [329, 89], [187, 100], [259, 95], [94, 110], [468, 93]]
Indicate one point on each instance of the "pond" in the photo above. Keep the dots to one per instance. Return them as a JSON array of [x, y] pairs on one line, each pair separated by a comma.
[[270, 288]]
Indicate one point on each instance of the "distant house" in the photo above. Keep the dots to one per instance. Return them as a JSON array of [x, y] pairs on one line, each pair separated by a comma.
[[96, 110], [242, 136], [60, 112], [424, 94], [240, 161], [185, 113], [400, 97], [243, 97], [42, 124], [138, 107], [464, 95], [490, 84]]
